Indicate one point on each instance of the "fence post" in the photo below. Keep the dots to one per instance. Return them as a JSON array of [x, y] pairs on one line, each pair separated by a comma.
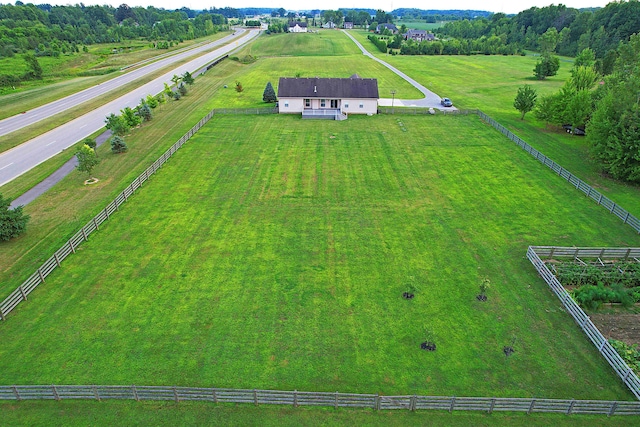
[[573, 402], [175, 394], [2, 315], [84, 234], [377, 402], [626, 218], [295, 398], [453, 402], [95, 223], [55, 392], [95, 393], [493, 403], [24, 296], [15, 391], [600, 198], [612, 411], [336, 401], [72, 248], [135, 393], [255, 397], [412, 403], [215, 396], [55, 256], [41, 275], [533, 402]]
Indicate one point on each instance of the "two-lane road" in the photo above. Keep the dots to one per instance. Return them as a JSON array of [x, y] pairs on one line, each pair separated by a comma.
[[22, 158], [30, 117]]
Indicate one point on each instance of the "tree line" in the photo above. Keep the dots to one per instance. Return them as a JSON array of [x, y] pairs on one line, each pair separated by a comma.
[[600, 30], [52, 30]]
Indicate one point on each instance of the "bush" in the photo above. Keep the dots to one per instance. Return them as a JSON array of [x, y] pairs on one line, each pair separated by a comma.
[[118, 145], [182, 89], [629, 353]]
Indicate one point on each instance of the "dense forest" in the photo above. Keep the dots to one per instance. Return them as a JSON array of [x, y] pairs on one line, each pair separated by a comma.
[[52, 30], [600, 30]]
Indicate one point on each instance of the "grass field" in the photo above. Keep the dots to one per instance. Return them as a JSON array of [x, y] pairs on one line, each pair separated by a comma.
[[188, 413], [276, 248], [419, 24], [490, 83], [272, 253]]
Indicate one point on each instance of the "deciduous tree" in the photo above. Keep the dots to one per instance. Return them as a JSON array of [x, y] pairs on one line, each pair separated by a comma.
[[525, 100]]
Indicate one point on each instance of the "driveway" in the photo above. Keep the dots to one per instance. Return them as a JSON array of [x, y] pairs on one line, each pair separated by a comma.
[[430, 100]]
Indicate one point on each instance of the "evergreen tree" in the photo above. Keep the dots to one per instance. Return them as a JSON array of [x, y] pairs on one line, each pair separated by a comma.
[[13, 222], [118, 145], [269, 94]]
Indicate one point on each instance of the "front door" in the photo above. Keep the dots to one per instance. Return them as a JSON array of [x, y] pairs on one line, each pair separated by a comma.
[[334, 103]]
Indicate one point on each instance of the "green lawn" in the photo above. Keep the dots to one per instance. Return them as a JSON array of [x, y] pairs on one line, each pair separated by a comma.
[[272, 252], [490, 83], [85, 413], [322, 43], [419, 24]]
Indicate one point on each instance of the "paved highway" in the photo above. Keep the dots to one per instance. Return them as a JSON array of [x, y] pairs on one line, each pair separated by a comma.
[[30, 117], [24, 157]]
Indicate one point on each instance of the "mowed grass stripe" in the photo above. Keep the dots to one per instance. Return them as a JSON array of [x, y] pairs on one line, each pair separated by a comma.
[[272, 252]]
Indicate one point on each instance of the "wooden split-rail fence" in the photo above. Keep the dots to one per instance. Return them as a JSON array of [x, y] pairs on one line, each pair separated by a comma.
[[326, 399]]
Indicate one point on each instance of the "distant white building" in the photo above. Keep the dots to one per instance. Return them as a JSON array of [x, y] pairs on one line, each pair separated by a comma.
[[298, 27]]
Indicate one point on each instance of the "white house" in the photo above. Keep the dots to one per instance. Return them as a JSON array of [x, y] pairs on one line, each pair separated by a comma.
[[297, 27], [330, 98]]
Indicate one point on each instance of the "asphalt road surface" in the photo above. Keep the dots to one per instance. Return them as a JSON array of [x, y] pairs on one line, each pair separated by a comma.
[[24, 157], [30, 117]]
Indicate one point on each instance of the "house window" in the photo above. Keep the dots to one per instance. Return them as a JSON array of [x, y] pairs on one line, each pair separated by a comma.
[[307, 103], [334, 103], [361, 105], [286, 105], [346, 105], [323, 103]]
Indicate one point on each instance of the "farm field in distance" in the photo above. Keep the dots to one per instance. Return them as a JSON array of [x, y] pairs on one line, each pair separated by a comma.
[[272, 252]]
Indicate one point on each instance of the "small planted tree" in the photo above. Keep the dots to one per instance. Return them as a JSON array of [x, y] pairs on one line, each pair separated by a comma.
[[13, 222], [188, 78], [144, 112], [239, 87], [116, 124], [150, 100], [130, 117], [87, 159], [182, 88], [429, 342], [118, 145], [525, 100], [90, 142], [484, 287], [176, 79], [176, 96], [269, 94]]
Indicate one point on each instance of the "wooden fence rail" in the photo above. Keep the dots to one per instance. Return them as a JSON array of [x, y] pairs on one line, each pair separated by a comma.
[[599, 341], [247, 111], [21, 292], [422, 111], [588, 190], [304, 398]]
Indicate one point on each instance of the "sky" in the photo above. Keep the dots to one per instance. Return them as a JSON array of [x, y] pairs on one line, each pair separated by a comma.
[[505, 6]]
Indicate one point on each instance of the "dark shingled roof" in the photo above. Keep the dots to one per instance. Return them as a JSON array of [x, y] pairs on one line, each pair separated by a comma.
[[315, 87], [300, 24]]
